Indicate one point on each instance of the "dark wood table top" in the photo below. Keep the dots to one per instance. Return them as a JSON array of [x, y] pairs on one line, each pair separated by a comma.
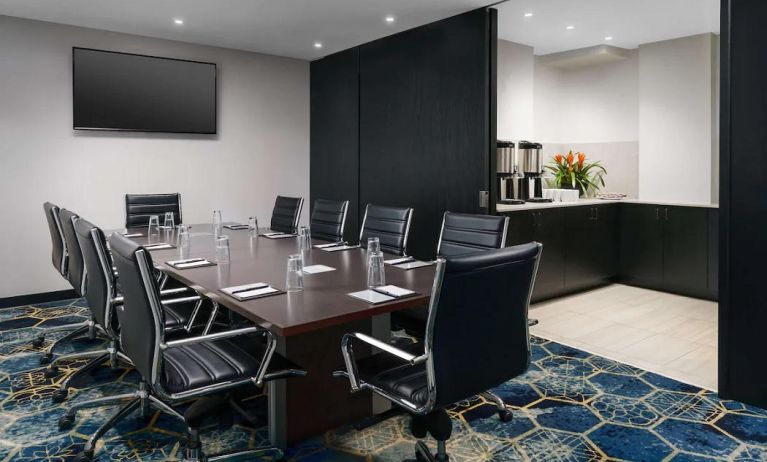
[[323, 302]]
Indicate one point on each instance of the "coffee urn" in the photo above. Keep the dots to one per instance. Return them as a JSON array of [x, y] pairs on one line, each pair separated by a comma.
[[506, 172], [530, 163]]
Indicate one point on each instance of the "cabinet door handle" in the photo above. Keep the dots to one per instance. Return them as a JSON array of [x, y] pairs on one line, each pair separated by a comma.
[[666, 213], [596, 214], [657, 214], [535, 220]]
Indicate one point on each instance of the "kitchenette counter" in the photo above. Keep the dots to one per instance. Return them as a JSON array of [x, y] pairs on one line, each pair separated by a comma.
[[503, 208]]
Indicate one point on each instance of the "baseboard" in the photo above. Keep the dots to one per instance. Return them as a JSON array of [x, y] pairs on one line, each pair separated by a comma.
[[31, 299]]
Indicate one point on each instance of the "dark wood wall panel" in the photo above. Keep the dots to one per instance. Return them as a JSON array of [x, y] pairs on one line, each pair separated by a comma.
[[743, 204], [334, 140], [424, 122]]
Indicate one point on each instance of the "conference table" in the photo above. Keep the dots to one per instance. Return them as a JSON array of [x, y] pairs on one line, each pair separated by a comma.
[[308, 324]]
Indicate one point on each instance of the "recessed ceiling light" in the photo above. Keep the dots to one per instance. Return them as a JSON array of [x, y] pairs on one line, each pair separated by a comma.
[[608, 38], [179, 22], [389, 19], [570, 27], [528, 15], [317, 45]]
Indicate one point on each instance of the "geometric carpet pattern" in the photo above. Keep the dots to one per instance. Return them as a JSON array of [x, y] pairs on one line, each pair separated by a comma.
[[569, 406]]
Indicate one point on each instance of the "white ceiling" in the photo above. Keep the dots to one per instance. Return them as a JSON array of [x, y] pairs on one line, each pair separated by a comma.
[[278, 27], [629, 22]]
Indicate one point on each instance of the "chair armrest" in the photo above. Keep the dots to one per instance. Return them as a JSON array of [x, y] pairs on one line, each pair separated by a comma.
[[349, 360], [211, 337], [119, 300], [174, 301]]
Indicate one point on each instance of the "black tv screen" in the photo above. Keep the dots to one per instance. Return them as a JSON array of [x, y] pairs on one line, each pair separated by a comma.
[[121, 91]]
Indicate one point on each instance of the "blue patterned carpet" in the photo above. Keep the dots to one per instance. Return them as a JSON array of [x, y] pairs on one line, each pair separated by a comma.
[[570, 406]]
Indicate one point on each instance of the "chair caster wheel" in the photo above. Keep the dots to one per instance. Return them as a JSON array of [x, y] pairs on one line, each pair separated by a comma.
[[51, 372], [59, 396], [38, 342], [84, 456], [46, 358], [505, 415], [66, 422]]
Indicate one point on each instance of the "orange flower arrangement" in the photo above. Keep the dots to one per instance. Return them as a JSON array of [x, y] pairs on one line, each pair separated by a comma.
[[577, 175]]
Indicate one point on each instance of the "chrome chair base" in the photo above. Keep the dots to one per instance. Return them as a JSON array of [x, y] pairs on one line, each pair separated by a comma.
[[423, 454], [142, 400], [78, 330], [109, 356], [504, 413]]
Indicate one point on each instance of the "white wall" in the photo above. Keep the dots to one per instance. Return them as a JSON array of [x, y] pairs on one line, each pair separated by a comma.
[[599, 103], [261, 150], [515, 89], [676, 119]]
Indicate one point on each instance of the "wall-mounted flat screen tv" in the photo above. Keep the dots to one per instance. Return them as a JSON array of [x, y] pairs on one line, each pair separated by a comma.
[[121, 91]]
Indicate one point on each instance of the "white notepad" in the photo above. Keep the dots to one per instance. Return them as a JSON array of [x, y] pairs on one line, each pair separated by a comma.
[[414, 264], [340, 247], [248, 291], [371, 296], [158, 246], [314, 269], [193, 264], [277, 235], [332, 244], [394, 291], [397, 261], [133, 234]]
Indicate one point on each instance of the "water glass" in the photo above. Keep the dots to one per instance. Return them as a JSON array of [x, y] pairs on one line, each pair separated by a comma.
[[304, 238], [170, 221], [154, 226], [217, 223], [183, 239], [376, 274], [253, 226], [374, 245], [222, 249], [294, 280]]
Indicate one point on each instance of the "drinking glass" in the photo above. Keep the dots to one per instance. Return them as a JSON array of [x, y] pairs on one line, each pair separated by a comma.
[[154, 226], [222, 249], [374, 245], [304, 238], [170, 221], [253, 226], [376, 274], [294, 280], [217, 223], [182, 239]]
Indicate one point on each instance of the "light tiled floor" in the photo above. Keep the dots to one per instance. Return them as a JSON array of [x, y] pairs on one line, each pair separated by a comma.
[[664, 333]]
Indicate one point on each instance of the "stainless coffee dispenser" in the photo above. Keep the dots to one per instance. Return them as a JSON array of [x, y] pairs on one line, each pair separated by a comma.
[[530, 163], [506, 172]]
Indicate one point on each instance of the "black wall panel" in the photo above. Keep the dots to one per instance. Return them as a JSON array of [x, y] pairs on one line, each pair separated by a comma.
[[425, 121], [743, 203], [334, 137]]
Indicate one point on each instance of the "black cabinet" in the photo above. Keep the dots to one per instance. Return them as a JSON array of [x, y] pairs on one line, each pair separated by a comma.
[[592, 246], [547, 227], [641, 245], [666, 248], [653, 246]]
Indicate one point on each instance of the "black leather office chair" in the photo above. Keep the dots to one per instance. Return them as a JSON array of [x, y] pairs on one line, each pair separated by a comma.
[[66, 252], [391, 225], [187, 369], [286, 213], [328, 220], [464, 234], [139, 207], [457, 359], [59, 256], [461, 234], [180, 313]]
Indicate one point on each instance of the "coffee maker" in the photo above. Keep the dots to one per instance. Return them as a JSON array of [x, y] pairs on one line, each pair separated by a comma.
[[506, 172], [530, 163]]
